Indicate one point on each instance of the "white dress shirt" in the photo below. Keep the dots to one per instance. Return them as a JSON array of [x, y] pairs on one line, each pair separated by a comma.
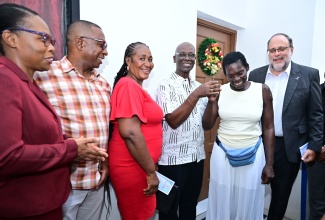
[[278, 86]]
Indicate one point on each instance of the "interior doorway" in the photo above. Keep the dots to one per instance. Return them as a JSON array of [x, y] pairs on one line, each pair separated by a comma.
[[227, 41]]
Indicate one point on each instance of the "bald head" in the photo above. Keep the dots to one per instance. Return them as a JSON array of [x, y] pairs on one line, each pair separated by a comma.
[[79, 28], [183, 45]]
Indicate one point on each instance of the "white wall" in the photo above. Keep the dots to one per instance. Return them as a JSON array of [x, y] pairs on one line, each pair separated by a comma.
[[293, 17], [319, 38], [231, 13], [163, 24]]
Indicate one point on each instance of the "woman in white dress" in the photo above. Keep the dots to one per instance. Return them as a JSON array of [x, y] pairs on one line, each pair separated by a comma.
[[242, 161]]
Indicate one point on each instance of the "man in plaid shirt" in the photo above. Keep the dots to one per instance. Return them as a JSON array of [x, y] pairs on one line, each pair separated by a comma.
[[81, 98]]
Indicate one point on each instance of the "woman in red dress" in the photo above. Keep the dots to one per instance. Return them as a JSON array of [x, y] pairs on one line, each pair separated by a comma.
[[136, 140]]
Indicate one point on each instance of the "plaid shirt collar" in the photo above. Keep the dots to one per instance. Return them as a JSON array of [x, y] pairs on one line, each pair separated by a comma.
[[67, 67]]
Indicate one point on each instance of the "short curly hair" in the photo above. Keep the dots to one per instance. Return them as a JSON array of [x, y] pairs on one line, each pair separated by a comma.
[[233, 57]]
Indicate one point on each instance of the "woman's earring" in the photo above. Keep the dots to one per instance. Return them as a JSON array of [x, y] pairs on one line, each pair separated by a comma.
[[127, 68]]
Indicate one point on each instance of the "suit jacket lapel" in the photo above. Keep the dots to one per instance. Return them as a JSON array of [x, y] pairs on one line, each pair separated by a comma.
[[294, 78], [260, 75], [40, 95]]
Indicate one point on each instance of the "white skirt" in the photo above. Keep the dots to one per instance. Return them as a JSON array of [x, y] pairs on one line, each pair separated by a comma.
[[235, 193]]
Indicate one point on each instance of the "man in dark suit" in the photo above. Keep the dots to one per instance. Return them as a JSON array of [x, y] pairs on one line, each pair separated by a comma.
[[317, 210], [298, 119]]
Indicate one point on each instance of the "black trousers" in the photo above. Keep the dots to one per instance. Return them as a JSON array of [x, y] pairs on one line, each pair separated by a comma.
[[285, 175], [316, 189], [188, 177]]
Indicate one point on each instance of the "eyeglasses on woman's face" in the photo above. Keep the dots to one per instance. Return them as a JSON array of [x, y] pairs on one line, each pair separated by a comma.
[[102, 43], [47, 39]]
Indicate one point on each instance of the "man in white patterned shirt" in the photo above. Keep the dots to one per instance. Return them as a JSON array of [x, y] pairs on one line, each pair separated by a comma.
[[187, 114], [81, 97]]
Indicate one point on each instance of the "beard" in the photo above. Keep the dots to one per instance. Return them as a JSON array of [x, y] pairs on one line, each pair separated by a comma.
[[279, 68]]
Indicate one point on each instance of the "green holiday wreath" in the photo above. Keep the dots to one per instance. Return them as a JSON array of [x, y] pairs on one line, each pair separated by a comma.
[[210, 56]]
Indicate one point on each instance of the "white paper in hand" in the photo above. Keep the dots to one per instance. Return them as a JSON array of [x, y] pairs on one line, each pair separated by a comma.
[[303, 149], [165, 184]]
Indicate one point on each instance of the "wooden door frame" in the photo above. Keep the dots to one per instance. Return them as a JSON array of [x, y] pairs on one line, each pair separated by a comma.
[[232, 33]]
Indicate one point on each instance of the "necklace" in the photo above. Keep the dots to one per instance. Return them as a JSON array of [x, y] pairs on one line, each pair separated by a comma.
[[135, 79]]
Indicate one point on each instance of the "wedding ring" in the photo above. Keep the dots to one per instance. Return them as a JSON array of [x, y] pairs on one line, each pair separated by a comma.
[[211, 90]]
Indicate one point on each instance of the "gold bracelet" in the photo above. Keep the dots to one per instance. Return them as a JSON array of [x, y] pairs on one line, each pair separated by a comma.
[[190, 102]]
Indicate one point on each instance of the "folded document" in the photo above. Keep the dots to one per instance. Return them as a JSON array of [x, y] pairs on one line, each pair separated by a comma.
[[165, 184]]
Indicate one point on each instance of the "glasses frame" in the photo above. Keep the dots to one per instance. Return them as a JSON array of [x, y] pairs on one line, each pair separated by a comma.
[[103, 43], [187, 55], [47, 39], [279, 49]]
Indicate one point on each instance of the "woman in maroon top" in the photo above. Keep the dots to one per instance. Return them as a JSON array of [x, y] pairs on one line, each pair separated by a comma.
[[34, 157], [136, 141]]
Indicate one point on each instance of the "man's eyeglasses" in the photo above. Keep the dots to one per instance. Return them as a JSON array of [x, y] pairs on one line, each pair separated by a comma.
[[279, 49], [184, 55], [47, 39], [103, 43]]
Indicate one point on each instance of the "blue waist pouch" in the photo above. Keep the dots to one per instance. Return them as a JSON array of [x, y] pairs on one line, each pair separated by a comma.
[[241, 156]]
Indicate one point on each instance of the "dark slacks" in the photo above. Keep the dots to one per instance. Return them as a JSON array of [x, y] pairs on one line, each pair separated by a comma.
[[316, 189], [285, 175], [188, 178]]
